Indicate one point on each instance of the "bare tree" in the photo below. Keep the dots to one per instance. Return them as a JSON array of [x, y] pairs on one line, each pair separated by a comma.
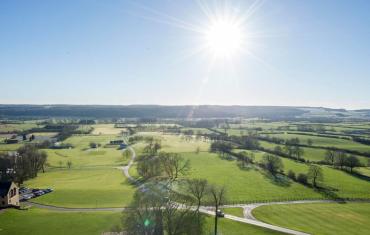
[[340, 159], [330, 156], [174, 165], [218, 195], [198, 189], [315, 174]]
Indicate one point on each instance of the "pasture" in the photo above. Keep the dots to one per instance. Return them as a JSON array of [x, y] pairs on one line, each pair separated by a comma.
[[326, 142], [94, 179], [244, 185], [10, 128], [339, 183], [178, 143], [106, 129], [86, 187], [319, 218], [311, 154], [44, 222]]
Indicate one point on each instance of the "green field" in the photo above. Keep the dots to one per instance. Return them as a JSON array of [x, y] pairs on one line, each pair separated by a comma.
[[94, 179], [311, 154], [326, 142], [237, 211], [43, 222], [9, 147], [244, 185], [174, 143], [253, 184], [82, 155], [342, 184], [329, 218], [5, 128], [106, 129], [88, 187], [364, 171]]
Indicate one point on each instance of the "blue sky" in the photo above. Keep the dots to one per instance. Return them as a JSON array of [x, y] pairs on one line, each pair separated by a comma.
[[307, 53]]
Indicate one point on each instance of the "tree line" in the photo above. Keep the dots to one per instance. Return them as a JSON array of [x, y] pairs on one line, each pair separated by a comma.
[[24, 164]]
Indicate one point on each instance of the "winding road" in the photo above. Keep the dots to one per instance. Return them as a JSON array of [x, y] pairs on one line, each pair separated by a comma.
[[247, 208]]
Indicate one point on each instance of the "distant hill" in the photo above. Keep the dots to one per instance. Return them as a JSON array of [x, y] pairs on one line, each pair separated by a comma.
[[187, 111], [148, 111]]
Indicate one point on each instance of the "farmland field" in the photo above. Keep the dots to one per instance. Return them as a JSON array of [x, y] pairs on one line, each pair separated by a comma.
[[94, 179], [311, 154], [9, 128], [106, 129], [319, 218], [326, 142], [87, 187]]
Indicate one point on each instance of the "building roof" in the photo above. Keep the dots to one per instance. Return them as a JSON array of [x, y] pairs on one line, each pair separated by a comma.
[[4, 188]]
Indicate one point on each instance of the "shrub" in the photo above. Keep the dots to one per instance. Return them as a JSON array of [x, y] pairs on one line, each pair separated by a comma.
[[302, 178], [291, 175]]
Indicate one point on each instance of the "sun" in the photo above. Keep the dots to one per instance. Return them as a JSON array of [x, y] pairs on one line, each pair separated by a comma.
[[224, 38]]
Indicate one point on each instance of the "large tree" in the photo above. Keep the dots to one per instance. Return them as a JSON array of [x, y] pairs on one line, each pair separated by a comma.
[[352, 162], [340, 159], [173, 165], [272, 164], [158, 212], [24, 164]]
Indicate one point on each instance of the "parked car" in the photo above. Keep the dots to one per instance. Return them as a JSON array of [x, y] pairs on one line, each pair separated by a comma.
[[28, 196], [219, 213], [24, 190], [48, 190], [39, 193]]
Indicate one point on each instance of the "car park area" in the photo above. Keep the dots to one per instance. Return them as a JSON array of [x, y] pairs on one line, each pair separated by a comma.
[[28, 193]]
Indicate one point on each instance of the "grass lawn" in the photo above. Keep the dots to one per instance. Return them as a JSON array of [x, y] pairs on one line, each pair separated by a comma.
[[17, 127], [229, 227], [328, 218], [106, 129], [43, 222], [83, 156], [364, 171], [9, 147], [237, 211], [244, 185], [83, 141], [342, 183], [88, 187], [174, 143]]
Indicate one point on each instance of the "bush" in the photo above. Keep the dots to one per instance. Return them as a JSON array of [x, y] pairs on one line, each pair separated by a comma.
[[302, 178], [291, 175], [94, 145]]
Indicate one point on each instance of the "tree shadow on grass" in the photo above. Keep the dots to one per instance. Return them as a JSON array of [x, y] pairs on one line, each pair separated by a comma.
[[227, 157], [328, 192], [278, 179], [358, 175], [247, 167]]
